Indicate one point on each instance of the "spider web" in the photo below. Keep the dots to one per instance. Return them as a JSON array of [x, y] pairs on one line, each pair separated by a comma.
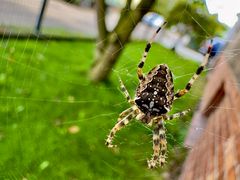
[[20, 109]]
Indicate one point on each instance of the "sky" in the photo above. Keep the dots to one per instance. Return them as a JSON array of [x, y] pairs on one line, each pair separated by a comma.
[[226, 9]]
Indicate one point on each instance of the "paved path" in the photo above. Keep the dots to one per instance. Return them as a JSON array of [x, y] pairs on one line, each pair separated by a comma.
[[61, 15]]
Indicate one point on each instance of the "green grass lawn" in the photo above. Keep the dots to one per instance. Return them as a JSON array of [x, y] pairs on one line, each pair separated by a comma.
[[46, 96]]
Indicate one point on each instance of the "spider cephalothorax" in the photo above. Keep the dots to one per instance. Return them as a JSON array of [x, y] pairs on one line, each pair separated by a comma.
[[154, 98], [155, 93]]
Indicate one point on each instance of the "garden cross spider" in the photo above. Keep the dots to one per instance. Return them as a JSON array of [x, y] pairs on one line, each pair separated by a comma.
[[153, 99]]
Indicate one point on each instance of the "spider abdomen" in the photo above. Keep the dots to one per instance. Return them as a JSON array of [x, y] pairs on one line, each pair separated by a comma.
[[156, 93]]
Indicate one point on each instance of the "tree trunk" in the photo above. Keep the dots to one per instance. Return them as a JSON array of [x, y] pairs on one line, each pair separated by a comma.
[[105, 61], [113, 43], [102, 29]]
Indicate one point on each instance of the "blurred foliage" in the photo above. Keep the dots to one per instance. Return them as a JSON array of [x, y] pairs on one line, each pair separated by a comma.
[[190, 17], [163, 7], [54, 122], [195, 16]]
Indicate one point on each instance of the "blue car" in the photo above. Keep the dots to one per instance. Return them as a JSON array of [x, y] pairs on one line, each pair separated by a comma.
[[153, 19], [217, 44]]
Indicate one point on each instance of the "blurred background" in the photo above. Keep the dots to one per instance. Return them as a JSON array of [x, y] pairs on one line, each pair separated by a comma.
[[60, 62]]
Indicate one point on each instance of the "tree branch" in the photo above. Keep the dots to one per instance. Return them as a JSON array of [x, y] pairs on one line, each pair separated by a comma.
[[117, 39], [124, 12], [128, 5], [129, 19], [101, 24]]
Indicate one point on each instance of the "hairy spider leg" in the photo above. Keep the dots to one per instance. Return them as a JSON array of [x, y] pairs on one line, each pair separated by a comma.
[[159, 139], [196, 75], [125, 92], [163, 144], [159, 145], [118, 127], [176, 115], [156, 149], [144, 56], [125, 113], [166, 117]]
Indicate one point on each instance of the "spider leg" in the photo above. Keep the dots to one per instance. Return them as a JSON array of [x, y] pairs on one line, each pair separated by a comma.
[[122, 123], [159, 145], [163, 144], [144, 56], [166, 117], [176, 115], [196, 75], [159, 139], [125, 92], [125, 113]]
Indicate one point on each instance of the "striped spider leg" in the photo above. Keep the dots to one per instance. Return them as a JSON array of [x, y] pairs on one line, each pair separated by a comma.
[[125, 92], [196, 75], [128, 98], [159, 139], [159, 145], [124, 118], [140, 74], [120, 124]]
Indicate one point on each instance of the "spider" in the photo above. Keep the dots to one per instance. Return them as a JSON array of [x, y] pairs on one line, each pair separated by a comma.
[[153, 99]]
